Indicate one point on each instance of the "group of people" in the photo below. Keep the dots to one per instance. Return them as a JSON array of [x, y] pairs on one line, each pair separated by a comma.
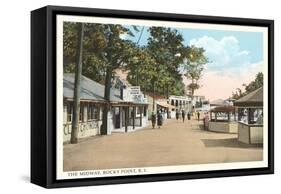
[[159, 117], [182, 113]]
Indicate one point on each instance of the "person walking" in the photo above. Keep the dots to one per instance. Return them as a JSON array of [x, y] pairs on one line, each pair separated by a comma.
[[198, 115], [177, 114], [159, 119], [188, 115], [153, 119], [183, 115]]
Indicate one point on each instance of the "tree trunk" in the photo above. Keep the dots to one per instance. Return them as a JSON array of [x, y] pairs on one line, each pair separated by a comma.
[[167, 93], [192, 89], [153, 96], [77, 86], [104, 129]]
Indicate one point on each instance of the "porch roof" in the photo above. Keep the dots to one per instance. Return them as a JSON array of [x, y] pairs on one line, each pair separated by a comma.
[[165, 104], [90, 90], [254, 98]]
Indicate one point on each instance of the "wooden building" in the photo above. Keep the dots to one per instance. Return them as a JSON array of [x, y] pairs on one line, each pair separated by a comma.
[[250, 117], [124, 116], [223, 119]]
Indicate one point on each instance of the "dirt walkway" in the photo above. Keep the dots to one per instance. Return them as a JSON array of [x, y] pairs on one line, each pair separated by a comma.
[[176, 143]]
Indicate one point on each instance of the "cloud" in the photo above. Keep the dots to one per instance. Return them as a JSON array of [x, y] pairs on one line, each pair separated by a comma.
[[229, 67], [215, 85], [224, 54]]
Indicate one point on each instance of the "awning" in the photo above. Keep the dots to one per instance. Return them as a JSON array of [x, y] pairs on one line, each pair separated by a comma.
[[165, 105]]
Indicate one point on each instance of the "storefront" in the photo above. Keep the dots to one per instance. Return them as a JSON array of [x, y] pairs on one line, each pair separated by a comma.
[[250, 117], [129, 117], [123, 116]]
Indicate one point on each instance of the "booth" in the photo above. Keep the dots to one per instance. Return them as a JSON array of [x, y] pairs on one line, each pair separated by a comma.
[[250, 117], [223, 119]]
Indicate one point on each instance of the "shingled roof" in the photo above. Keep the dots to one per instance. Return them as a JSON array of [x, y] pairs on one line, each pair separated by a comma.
[[218, 102], [90, 90], [223, 109], [254, 98]]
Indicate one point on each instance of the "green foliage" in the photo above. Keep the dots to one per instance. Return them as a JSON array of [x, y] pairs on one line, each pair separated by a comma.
[[156, 64], [102, 48], [257, 83], [252, 86], [193, 67], [192, 87]]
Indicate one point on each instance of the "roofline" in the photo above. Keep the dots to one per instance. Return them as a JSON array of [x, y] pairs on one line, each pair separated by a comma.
[[245, 104], [111, 102]]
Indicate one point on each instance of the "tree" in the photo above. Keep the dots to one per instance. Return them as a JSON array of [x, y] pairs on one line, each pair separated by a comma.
[[195, 60], [103, 52], [252, 86], [257, 83], [155, 66], [117, 52], [77, 87]]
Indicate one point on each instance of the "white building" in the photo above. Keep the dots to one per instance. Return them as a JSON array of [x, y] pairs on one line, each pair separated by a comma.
[[180, 103], [125, 115]]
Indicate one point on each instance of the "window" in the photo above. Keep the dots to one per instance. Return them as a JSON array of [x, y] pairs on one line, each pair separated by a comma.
[[220, 116], [69, 110], [251, 115], [93, 113]]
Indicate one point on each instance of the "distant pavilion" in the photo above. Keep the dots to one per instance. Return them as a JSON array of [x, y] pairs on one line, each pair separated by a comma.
[[223, 119]]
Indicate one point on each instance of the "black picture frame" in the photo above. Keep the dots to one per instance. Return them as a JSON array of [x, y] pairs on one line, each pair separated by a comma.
[[43, 92]]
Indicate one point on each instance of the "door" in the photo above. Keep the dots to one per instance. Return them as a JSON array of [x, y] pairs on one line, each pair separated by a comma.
[[117, 117]]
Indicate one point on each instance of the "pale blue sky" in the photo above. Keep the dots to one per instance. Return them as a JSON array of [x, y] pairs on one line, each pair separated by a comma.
[[227, 50], [236, 57]]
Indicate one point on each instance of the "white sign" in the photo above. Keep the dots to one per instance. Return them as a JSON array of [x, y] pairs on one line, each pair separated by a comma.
[[134, 94]]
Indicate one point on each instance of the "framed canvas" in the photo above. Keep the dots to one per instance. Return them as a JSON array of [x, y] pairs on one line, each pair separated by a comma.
[[125, 96]]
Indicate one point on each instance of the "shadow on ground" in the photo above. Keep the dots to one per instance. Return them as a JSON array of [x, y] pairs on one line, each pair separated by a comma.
[[229, 142]]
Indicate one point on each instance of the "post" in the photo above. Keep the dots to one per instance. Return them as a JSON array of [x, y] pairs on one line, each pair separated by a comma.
[[141, 110], [168, 91], [77, 86], [126, 118], [106, 109], [239, 114], [248, 113], [134, 116], [153, 96]]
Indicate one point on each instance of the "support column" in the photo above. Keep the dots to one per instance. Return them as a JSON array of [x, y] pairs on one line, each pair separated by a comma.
[[134, 116], [141, 110], [126, 118], [120, 116], [248, 114]]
